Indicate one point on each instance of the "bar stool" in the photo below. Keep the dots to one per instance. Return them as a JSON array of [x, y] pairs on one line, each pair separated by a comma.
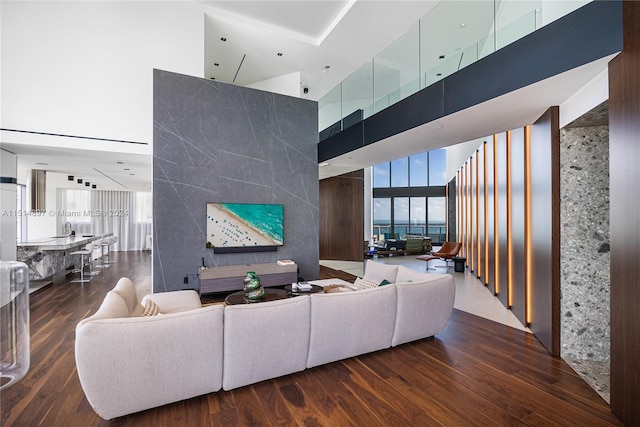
[[82, 253], [97, 244], [104, 244], [92, 247], [112, 241]]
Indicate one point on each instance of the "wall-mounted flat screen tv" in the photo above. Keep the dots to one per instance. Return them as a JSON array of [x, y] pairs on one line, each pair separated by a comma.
[[244, 227]]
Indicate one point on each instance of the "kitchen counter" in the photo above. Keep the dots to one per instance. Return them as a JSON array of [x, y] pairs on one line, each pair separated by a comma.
[[50, 257], [57, 243]]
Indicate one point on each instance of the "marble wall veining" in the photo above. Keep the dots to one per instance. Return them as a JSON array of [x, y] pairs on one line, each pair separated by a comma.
[[216, 142], [584, 247]]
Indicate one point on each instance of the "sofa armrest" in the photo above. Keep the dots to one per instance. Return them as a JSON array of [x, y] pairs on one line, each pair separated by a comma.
[[423, 308], [173, 302], [127, 365]]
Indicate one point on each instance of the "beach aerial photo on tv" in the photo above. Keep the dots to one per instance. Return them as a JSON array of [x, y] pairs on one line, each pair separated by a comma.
[[231, 225]]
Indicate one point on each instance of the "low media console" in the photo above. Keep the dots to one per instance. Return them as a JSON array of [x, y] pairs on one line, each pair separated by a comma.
[[230, 277]]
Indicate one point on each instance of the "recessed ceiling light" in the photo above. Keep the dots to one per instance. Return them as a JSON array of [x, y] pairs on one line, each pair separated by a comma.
[[79, 180], [127, 169], [439, 74], [70, 177], [94, 186], [325, 69], [441, 57], [463, 25], [87, 183], [120, 163], [216, 64], [132, 174], [224, 39], [279, 54], [43, 164]]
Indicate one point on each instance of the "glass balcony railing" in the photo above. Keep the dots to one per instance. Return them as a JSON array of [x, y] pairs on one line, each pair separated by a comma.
[[453, 35]]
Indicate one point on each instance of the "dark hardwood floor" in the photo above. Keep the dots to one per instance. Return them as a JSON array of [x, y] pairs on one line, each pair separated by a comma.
[[476, 372]]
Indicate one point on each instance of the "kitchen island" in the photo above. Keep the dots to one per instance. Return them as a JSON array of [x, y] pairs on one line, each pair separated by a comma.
[[49, 258]]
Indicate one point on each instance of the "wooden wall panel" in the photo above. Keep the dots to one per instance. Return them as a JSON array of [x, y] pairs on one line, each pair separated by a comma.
[[490, 212], [545, 230], [502, 224], [624, 158], [341, 217], [518, 255]]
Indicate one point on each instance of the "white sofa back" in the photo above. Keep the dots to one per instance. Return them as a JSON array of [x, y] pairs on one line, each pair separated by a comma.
[[425, 303], [265, 340], [347, 324], [129, 364]]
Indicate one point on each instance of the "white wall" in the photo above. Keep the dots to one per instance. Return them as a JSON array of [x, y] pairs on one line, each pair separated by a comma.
[[86, 68], [589, 96], [8, 207], [460, 153], [289, 84]]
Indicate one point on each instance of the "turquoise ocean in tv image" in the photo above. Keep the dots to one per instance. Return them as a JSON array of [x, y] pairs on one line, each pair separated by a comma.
[[265, 219]]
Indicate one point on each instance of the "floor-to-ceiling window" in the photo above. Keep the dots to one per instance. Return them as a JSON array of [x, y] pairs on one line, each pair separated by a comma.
[[409, 197]]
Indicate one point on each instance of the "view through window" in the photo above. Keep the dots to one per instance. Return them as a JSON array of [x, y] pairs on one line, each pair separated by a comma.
[[409, 197]]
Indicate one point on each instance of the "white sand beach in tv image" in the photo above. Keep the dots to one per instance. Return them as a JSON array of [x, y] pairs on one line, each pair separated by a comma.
[[225, 229]]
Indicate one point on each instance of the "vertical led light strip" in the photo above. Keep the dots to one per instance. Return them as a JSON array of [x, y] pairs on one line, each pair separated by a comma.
[[458, 207], [496, 218], [527, 221], [486, 217], [509, 234], [446, 209], [464, 209], [472, 246], [478, 272]]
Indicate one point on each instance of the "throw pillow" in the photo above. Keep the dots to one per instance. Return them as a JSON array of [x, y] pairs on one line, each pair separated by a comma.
[[360, 283], [384, 282], [150, 309]]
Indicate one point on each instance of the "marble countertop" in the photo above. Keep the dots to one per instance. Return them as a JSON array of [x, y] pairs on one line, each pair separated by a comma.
[[59, 242]]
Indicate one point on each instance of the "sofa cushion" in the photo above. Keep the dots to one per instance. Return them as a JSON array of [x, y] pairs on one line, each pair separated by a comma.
[[377, 272], [265, 340], [346, 324], [424, 307], [113, 306], [360, 283], [127, 291]]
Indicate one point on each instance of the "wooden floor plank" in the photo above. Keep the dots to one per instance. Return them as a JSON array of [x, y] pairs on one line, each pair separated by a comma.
[[476, 372]]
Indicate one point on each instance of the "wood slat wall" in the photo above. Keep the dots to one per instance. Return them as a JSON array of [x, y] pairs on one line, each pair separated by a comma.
[[341, 217], [624, 158], [501, 205]]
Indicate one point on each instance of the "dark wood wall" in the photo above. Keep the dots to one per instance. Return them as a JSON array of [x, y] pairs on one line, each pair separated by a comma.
[[545, 230], [624, 158], [342, 217], [518, 216]]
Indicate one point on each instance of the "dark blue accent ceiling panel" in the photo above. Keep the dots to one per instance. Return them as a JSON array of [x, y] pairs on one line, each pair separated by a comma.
[[587, 34]]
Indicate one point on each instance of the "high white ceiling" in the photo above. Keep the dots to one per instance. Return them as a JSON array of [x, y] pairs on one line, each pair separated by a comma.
[[309, 35], [312, 35]]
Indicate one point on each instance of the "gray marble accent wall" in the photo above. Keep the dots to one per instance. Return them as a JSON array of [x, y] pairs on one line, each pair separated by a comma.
[[584, 250], [216, 142]]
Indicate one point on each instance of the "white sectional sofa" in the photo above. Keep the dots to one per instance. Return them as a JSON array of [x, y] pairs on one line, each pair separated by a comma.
[[127, 363]]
